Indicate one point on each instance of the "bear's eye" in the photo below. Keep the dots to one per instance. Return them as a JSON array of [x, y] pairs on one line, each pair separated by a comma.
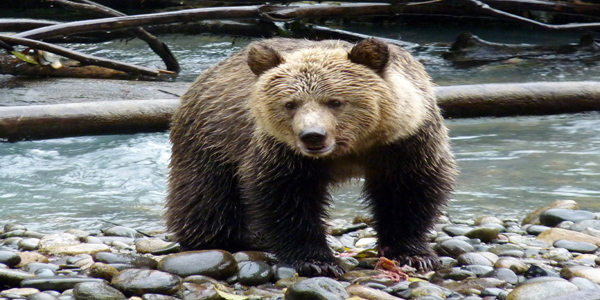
[[291, 105], [334, 103]]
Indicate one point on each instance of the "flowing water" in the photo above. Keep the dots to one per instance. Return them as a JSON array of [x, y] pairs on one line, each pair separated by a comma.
[[509, 166]]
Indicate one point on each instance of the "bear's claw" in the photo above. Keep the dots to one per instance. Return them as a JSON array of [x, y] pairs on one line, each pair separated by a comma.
[[313, 268], [420, 262]]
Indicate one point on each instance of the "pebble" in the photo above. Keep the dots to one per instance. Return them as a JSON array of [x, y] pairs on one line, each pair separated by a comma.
[[317, 288], [554, 216], [483, 259], [534, 217], [141, 281], [218, 264]]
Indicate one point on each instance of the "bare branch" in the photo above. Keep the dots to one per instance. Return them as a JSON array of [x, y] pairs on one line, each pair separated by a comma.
[[84, 58]]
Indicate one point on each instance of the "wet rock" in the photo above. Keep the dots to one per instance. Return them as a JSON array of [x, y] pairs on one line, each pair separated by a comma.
[[57, 283], [28, 244], [171, 248], [534, 217], [453, 274], [9, 258], [158, 297], [368, 293], [513, 264], [142, 281], [582, 225], [426, 289], [150, 245], [555, 234], [455, 247], [456, 230], [283, 271], [504, 274], [42, 296], [554, 216], [79, 249], [485, 234], [102, 270], [592, 274], [541, 288], [35, 267], [367, 242], [585, 284], [18, 293], [96, 291], [217, 264], [580, 247], [243, 256], [538, 271], [56, 240], [558, 254], [317, 288], [475, 258], [137, 261], [487, 220], [122, 231], [580, 295], [13, 226], [13, 278], [537, 229], [80, 234], [478, 270], [254, 273]]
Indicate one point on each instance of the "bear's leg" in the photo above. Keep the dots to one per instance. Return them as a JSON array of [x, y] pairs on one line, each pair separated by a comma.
[[287, 196], [204, 209], [406, 184]]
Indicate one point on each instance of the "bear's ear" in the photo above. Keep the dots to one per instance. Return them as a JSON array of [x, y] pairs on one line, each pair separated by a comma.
[[372, 53], [262, 58]]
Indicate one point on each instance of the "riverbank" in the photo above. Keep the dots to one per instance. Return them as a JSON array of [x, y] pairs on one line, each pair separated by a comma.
[[552, 254]]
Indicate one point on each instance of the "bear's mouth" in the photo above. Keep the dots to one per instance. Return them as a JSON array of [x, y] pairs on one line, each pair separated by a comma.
[[315, 150]]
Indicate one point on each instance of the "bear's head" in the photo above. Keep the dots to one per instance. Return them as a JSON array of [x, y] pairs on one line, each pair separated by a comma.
[[331, 100]]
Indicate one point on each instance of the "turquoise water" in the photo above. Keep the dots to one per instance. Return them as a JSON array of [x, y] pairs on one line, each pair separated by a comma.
[[509, 166]]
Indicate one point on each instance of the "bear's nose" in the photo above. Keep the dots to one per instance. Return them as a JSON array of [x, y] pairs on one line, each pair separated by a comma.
[[313, 135]]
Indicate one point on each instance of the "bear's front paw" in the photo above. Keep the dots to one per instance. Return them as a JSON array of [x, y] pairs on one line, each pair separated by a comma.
[[311, 268], [428, 262]]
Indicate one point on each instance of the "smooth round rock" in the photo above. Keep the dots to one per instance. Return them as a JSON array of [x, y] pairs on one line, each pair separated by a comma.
[[18, 293], [585, 224], [50, 242], [592, 274], [102, 270], [150, 245], [217, 264], [478, 270], [13, 278], [541, 288], [456, 230], [485, 234], [9, 258], [283, 271], [455, 248], [534, 217], [57, 283], [558, 254], [487, 220], [242, 256], [254, 273], [538, 271], [96, 291], [580, 247], [29, 244], [554, 216], [504, 274], [13, 226], [513, 264], [42, 296], [138, 261], [317, 288], [122, 231], [474, 258], [34, 267], [142, 281], [536, 229]]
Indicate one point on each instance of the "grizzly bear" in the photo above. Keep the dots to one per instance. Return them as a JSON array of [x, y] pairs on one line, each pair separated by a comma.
[[261, 138]]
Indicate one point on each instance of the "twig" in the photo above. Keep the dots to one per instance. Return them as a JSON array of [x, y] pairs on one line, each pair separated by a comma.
[[160, 48], [84, 58], [486, 9]]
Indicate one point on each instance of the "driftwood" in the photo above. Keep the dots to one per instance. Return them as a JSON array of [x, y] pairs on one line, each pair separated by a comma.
[[470, 49], [466, 101], [76, 119]]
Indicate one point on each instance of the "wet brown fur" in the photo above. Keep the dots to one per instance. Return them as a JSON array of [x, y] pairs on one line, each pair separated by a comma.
[[239, 173]]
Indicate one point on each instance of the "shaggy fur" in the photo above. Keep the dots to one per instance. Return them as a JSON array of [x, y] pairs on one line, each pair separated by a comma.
[[261, 137]]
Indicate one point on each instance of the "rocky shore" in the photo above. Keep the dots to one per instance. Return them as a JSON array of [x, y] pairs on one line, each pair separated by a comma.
[[551, 254]]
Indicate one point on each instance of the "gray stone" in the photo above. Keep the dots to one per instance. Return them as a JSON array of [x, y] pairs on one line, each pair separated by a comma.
[[542, 288], [18, 293], [456, 230], [558, 254], [96, 291], [478, 270], [582, 225], [252, 273], [514, 264], [455, 248], [150, 245], [142, 281], [539, 271], [13, 278], [29, 244], [34, 267], [42, 296], [474, 258], [138, 261], [317, 288], [580, 247], [554, 216], [580, 295], [217, 264], [534, 217], [536, 229], [49, 243], [122, 232], [589, 273], [585, 284], [57, 283], [485, 234], [504, 274], [9, 258]]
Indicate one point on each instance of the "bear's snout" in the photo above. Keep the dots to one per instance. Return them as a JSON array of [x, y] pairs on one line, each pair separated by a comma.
[[314, 141]]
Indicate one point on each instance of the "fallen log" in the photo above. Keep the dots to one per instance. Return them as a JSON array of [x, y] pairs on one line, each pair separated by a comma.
[[131, 116]]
